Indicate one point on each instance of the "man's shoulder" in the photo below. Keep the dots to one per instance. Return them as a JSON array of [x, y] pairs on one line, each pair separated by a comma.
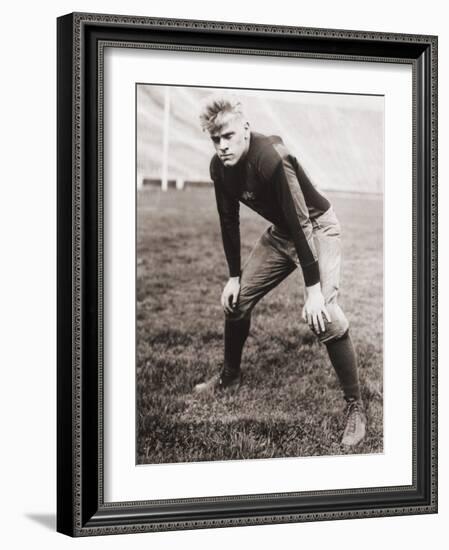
[[263, 141], [270, 150], [271, 146]]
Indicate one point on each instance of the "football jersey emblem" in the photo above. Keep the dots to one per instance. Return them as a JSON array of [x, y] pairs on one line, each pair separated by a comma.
[[249, 195]]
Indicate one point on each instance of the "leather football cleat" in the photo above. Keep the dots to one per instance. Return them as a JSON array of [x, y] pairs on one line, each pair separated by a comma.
[[219, 383], [355, 429]]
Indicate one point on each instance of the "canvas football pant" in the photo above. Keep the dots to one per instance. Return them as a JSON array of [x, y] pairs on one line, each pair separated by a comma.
[[272, 259]]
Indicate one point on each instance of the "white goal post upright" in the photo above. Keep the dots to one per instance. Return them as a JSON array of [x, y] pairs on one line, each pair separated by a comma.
[[164, 178]]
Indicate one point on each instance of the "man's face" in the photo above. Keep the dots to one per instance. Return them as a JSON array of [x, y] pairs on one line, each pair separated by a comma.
[[231, 141]]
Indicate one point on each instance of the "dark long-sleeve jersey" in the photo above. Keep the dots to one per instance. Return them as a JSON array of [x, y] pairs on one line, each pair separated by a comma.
[[270, 181]]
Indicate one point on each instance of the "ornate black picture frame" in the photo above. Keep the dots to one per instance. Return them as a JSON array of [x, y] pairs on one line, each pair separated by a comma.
[[81, 508]]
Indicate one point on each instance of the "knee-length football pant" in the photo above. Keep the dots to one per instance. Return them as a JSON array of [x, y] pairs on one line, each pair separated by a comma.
[[274, 257]]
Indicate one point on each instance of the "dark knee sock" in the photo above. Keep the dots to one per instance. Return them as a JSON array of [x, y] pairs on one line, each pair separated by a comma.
[[235, 335], [344, 360]]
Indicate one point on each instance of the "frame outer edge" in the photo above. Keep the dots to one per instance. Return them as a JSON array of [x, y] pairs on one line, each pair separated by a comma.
[[260, 28], [65, 404], [69, 522]]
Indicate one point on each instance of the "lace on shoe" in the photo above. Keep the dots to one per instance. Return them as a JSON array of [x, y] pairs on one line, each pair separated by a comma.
[[354, 411], [355, 428]]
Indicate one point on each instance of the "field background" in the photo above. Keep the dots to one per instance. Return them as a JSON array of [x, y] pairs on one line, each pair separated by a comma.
[[338, 138], [290, 404]]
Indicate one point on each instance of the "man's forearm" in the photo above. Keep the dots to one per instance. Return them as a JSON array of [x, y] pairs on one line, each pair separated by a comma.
[[228, 210], [296, 216], [231, 246]]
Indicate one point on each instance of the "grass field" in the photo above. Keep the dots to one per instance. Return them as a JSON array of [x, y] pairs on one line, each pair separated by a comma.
[[290, 403]]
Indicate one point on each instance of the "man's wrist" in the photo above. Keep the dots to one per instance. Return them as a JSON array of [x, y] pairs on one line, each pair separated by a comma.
[[313, 289]]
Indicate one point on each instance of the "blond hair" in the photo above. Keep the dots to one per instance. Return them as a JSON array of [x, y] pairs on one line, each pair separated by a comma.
[[216, 107]]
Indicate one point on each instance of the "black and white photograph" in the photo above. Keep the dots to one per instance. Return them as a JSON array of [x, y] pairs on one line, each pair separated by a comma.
[[259, 273], [223, 292]]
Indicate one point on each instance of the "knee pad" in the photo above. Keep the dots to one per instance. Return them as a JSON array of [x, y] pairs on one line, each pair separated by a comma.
[[337, 330], [339, 326]]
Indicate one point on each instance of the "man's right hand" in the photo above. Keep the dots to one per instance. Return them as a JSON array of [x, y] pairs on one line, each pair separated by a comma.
[[315, 310], [230, 294]]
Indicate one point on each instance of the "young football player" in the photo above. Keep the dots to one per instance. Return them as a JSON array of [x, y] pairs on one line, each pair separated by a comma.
[[260, 172]]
